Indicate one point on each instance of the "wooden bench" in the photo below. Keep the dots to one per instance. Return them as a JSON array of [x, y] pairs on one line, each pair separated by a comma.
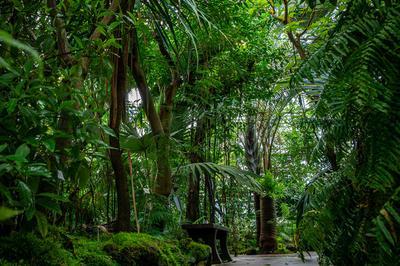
[[209, 233]]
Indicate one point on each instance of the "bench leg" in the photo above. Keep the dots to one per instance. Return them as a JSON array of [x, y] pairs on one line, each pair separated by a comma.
[[211, 240], [224, 247]]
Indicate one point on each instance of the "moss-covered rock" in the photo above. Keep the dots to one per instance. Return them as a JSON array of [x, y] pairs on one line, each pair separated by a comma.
[[91, 253], [196, 252], [28, 249], [112, 250], [143, 249]]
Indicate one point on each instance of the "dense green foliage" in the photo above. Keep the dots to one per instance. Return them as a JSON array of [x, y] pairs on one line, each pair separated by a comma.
[[278, 119], [357, 71], [119, 249]]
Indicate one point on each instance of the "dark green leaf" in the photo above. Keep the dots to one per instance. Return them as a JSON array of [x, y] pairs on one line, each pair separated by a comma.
[[384, 230], [25, 194], [53, 196], [83, 175], [49, 204], [41, 223], [50, 144], [3, 147]]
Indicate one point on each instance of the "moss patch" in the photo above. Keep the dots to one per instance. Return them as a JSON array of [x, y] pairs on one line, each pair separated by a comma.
[[111, 250], [143, 249], [196, 252], [28, 249]]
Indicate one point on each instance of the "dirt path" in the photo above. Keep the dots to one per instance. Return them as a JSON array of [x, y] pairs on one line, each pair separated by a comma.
[[273, 260]]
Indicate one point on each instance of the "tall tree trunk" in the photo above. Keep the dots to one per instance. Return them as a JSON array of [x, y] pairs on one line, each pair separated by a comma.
[[211, 196], [163, 184], [117, 109], [253, 165], [193, 199], [196, 156]]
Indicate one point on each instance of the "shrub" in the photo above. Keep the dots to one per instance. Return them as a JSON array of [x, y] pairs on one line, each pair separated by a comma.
[[26, 248]]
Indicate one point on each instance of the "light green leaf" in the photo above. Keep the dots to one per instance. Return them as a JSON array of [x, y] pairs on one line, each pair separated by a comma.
[[6, 213], [50, 144], [22, 151], [11, 105], [8, 39]]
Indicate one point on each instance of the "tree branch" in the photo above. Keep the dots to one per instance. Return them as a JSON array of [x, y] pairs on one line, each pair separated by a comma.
[[62, 40]]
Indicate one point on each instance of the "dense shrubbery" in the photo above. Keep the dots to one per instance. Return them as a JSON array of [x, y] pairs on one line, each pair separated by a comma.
[[28, 249], [118, 249]]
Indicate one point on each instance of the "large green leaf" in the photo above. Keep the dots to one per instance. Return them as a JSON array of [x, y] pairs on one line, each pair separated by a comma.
[[41, 221], [137, 145], [20, 155], [50, 144], [6, 213], [244, 178], [8, 39], [22, 151], [25, 194]]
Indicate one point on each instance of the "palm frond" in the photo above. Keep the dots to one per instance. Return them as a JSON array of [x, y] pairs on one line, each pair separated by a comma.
[[357, 72], [243, 178]]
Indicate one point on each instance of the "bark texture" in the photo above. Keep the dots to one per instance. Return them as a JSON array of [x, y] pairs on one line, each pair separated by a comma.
[[267, 225], [163, 184], [193, 197], [118, 92], [253, 165]]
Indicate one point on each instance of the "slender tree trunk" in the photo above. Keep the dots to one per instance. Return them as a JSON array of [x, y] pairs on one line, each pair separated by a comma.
[[193, 198], [211, 196], [257, 211], [267, 242], [297, 44], [193, 202], [163, 182], [118, 92], [253, 164], [135, 212]]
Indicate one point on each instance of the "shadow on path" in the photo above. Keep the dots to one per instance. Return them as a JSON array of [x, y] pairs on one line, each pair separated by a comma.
[[274, 260]]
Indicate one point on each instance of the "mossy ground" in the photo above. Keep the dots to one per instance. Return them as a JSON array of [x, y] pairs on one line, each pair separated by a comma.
[[109, 250]]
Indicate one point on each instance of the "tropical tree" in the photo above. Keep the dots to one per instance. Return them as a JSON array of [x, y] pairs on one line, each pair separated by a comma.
[[356, 71]]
